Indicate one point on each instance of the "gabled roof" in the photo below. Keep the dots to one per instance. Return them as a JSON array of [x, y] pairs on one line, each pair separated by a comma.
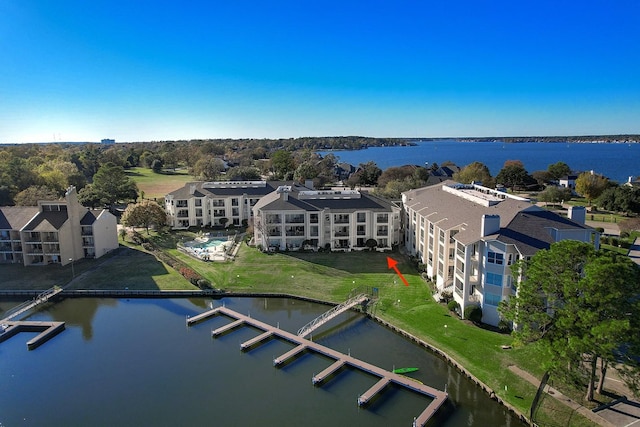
[[47, 221], [530, 230], [90, 217], [16, 217]]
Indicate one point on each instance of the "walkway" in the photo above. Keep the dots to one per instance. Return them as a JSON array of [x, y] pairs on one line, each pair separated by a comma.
[[334, 312], [585, 412], [28, 305], [384, 377], [634, 251]]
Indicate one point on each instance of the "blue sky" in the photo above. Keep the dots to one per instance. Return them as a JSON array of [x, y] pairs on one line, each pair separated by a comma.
[[137, 70]]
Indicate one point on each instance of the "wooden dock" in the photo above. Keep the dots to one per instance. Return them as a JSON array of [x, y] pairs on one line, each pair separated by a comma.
[[340, 360], [47, 331]]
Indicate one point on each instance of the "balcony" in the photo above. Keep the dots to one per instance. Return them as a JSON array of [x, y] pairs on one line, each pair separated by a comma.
[[181, 204], [274, 219], [217, 203], [294, 219], [341, 219]]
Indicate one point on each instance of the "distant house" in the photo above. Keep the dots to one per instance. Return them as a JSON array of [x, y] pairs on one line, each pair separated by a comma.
[[568, 181], [632, 183], [55, 232], [108, 141], [468, 236], [294, 217]]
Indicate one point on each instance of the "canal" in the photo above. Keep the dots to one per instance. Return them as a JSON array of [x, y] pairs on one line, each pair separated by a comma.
[[135, 362]]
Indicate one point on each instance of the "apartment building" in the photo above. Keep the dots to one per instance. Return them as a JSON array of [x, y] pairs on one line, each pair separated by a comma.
[[295, 217], [468, 236], [216, 203], [55, 232]]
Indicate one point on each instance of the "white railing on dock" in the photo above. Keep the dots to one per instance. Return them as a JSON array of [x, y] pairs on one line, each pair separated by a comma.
[[325, 317]]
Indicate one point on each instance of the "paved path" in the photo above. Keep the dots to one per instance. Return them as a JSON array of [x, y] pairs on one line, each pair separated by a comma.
[[634, 251], [587, 413]]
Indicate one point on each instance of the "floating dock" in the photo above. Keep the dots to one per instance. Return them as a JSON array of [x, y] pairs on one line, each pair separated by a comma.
[[47, 331], [340, 360]]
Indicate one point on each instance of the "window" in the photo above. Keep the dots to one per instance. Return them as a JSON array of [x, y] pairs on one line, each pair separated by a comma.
[[383, 218], [495, 258], [492, 299], [313, 218], [234, 202], [361, 217], [198, 202], [494, 279]]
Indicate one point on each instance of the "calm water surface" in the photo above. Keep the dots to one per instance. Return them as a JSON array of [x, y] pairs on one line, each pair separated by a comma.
[[615, 161], [134, 362]]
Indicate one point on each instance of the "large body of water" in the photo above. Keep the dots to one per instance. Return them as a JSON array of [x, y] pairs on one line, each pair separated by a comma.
[[615, 161], [134, 362]]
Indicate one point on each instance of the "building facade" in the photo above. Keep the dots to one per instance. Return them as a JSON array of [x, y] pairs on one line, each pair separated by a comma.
[[55, 232], [295, 217], [468, 236], [219, 203]]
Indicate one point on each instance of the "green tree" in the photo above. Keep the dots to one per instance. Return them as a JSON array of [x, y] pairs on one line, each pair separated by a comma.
[[623, 199], [566, 302], [475, 172], [144, 214], [558, 170], [111, 184], [370, 172], [208, 168], [283, 164], [246, 173], [591, 185], [31, 195], [555, 195], [514, 175]]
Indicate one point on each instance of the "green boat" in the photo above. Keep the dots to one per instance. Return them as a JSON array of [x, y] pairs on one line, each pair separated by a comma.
[[404, 370]]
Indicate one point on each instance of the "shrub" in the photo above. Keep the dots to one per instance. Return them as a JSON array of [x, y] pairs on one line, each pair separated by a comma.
[[446, 296], [473, 313], [504, 326], [452, 305], [147, 246], [190, 275], [204, 284]]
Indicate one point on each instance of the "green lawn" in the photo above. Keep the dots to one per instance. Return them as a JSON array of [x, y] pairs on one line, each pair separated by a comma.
[[157, 185]]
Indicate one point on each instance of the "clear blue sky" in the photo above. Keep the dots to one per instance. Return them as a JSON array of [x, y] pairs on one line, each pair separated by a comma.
[[134, 70]]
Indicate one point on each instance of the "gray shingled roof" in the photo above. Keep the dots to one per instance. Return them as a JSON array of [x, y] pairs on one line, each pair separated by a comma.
[[185, 191], [16, 217], [529, 231], [366, 201], [521, 223], [90, 217], [56, 219], [451, 211]]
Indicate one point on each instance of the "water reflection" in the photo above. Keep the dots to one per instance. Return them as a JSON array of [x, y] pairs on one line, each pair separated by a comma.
[[136, 362]]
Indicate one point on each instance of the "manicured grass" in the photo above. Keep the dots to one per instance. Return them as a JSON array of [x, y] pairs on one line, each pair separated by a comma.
[[157, 185]]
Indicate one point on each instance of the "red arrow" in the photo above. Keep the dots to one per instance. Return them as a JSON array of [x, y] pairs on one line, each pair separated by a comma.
[[392, 263]]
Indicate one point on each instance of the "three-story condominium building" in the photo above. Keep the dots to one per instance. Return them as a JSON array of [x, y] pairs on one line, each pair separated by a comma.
[[54, 232], [468, 236], [294, 217], [216, 203]]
